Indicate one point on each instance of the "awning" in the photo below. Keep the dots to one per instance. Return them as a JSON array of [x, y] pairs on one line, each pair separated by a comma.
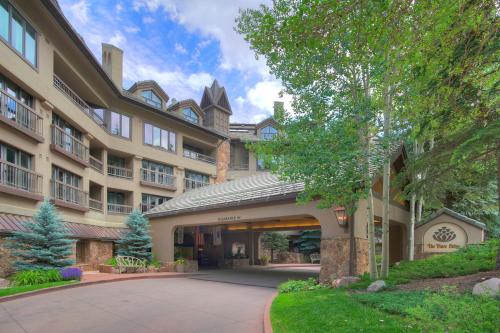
[[14, 222]]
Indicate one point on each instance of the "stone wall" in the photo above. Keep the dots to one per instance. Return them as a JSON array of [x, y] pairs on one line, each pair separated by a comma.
[[335, 258], [6, 259], [95, 252], [291, 258], [223, 155]]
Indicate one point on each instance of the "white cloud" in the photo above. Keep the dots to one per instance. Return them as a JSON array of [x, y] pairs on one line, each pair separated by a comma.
[[132, 29], [80, 11], [180, 49], [117, 39]]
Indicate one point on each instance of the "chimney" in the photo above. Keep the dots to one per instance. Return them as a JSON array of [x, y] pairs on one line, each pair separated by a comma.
[[112, 62], [279, 110]]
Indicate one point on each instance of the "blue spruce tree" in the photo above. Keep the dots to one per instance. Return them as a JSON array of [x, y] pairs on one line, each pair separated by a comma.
[[137, 242], [45, 245]]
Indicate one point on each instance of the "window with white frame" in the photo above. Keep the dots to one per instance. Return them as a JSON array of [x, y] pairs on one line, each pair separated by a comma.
[[151, 98], [268, 132], [190, 115], [159, 137], [119, 124]]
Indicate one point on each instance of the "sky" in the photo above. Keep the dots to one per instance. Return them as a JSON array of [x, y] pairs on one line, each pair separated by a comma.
[[183, 45]]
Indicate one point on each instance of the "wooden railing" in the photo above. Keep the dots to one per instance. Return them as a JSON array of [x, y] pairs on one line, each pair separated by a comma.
[[238, 166], [20, 113], [20, 178], [191, 184], [119, 209], [120, 172], [96, 164], [197, 156], [69, 143], [158, 178], [95, 204], [68, 193], [77, 100]]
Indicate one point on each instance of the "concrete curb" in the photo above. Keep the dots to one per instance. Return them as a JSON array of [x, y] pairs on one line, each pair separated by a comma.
[[268, 327], [84, 284]]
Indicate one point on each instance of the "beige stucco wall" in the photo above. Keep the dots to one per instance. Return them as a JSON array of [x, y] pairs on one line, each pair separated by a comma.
[[55, 49]]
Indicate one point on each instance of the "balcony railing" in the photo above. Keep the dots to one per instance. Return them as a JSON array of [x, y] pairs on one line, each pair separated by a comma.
[[78, 101], [68, 193], [69, 143], [119, 209], [197, 156], [120, 172], [96, 164], [238, 166], [157, 178], [95, 204], [144, 207], [15, 110], [20, 178], [191, 184]]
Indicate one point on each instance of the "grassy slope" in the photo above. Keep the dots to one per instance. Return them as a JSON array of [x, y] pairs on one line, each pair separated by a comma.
[[329, 310], [17, 290]]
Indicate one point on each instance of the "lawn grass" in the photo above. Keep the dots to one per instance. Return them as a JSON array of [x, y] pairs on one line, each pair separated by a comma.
[[468, 260], [395, 302], [330, 310], [22, 289]]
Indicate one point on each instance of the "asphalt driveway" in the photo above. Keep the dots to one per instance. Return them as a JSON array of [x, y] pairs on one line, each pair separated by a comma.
[[175, 305]]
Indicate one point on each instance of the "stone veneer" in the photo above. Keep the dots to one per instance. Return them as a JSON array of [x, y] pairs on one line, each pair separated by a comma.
[[6, 259], [96, 252], [335, 258], [223, 156]]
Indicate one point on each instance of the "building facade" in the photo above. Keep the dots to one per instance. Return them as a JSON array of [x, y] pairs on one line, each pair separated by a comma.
[[70, 132]]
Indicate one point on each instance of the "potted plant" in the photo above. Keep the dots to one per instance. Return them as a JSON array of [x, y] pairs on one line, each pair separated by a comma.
[[180, 265], [264, 260]]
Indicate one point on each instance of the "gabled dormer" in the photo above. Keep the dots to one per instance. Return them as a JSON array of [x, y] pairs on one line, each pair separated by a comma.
[[266, 129], [151, 93], [188, 110], [215, 104]]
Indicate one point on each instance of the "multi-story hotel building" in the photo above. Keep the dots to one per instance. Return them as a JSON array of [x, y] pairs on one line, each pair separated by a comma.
[[71, 133]]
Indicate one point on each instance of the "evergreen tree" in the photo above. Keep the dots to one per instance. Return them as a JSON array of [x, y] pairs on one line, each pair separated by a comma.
[[309, 241], [137, 242], [274, 241], [45, 245]]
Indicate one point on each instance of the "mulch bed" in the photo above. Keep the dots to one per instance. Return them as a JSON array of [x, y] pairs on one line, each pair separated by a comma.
[[462, 283]]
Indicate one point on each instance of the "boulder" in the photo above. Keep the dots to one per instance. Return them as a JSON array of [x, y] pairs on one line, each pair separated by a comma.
[[4, 283], [490, 287], [376, 286], [345, 281]]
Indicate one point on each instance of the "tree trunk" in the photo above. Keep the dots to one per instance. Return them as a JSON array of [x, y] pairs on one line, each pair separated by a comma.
[[384, 272], [411, 229], [372, 259]]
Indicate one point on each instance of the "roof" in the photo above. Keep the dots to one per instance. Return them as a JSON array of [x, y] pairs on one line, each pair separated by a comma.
[[14, 222], [56, 11], [216, 96], [150, 84], [187, 103], [454, 214], [263, 187]]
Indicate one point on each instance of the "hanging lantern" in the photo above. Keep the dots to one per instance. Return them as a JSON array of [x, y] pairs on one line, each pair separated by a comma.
[[341, 216]]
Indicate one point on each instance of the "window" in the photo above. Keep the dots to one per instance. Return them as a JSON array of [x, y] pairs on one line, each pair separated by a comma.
[[151, 98], [198, 177], [150, 201], [116, 198], [159, 137], [63, 176], [190, 115], [260, 164], [119, 124], [17, 32], [116, 161], [66, 127], [15, 91], [11, 175], [15, 156], [158, 167], [268, 132], [63, 140]]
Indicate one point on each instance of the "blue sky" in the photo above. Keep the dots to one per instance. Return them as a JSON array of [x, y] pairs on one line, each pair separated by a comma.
[[183, 45]]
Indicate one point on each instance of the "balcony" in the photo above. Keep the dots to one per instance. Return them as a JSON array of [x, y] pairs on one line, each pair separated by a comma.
[[158, 179], [69, 146], [21, 117], [191, 184], [198, 156], [78, 101], [20, 181], [68, 196], [96, 205], [96, 164], [119, 209], [238, 166], [116, 171]]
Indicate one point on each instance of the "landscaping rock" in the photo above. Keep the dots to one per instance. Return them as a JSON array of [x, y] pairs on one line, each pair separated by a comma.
[[4, 283], [376, 286], [345, 281], [489, 287]]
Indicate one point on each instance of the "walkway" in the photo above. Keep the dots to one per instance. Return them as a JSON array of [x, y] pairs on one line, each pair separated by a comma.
[[176, 305]]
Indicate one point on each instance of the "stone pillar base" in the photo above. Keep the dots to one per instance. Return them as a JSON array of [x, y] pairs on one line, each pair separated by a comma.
[[335, 258]]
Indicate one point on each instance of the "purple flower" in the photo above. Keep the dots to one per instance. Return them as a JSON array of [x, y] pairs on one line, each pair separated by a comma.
[[71, 273]]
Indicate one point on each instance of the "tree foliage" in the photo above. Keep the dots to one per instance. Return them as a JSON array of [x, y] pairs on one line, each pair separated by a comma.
[[137, 241], [275, 241], [46, 244]]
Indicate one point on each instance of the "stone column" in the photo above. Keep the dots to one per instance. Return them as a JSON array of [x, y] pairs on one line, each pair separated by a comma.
[[335, 257], [223, 155]]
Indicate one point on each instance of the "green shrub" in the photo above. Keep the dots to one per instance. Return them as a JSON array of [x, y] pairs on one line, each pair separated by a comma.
[[155, 262], [34, 277], [111, 261], [452, 312], [396, 302], [299, 285]]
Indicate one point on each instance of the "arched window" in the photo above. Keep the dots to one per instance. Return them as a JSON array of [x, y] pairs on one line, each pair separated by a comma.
[[268, 132], [151, 98], [190, 115]]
